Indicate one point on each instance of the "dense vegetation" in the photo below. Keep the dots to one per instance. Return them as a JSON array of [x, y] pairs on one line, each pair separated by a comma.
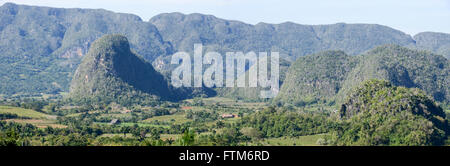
[[41, 47], [378, 113], [110, 72], [403, 67], [328, 77], [280, 122], [315, 78], [89, 126]]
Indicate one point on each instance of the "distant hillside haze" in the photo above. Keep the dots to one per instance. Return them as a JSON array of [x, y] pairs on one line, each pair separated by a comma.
[[290, 39], [436, 42], [41, 47]]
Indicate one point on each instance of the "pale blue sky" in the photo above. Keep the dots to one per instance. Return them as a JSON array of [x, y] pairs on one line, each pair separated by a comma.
[[409, 16]]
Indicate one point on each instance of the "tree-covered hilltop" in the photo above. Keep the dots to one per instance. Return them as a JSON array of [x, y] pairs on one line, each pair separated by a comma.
[[110, 72], [315, 78], [329, 76], [378, 113], [403, 67], [41, 47]]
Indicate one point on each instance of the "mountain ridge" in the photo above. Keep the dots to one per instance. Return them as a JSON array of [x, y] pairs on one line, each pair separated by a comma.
[[48, 43], [214, 26]]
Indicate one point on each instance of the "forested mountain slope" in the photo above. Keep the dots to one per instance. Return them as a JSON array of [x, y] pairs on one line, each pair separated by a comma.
[[110, 72], [41, 47], [330, 76]]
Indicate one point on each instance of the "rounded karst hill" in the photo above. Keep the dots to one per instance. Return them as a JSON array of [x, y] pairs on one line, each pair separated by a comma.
[[378, 113], [111, 72], [315, 78], [402, 67]]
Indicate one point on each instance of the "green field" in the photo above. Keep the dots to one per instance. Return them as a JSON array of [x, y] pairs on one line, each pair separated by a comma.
[[128, 135], [41, 123], [143, 125], [308, 140], [178, 118], [21, 112], [170, 136], [229, 102]]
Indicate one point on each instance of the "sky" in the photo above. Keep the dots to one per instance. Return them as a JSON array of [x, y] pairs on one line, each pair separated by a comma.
[[409, 16]]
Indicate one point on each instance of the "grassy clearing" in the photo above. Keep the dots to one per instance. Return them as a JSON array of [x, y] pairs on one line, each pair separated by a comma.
[[178, 136], [143, 125], [309, 140], [178, 118], [170, 136], [40, 123], [25, 112], [132, 124], [128, 135], [229, 102], [116, 115], [195, 108]]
